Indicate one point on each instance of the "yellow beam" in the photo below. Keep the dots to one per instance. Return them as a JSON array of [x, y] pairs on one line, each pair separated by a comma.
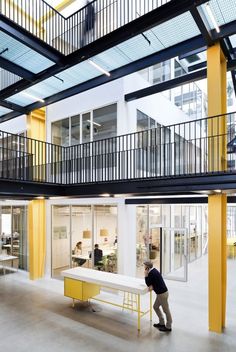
[[217, 160], [11, 7], [60, 7], [217, 261], [36, 210], [37, 238], [217, 128]]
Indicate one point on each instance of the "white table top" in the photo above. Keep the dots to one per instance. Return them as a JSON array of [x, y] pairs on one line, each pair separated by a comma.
[[102, 278], [86, 256], [9, 246], [4, 257], [80, 256]]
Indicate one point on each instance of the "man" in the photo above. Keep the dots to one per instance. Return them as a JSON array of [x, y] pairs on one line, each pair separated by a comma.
[[89, 22], [155, 282], [97, 255]]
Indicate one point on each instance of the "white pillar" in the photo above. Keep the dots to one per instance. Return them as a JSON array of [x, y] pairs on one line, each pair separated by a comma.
[[127, 239]]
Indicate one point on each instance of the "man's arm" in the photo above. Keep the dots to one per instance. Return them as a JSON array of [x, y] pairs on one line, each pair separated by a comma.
[[148, 278]]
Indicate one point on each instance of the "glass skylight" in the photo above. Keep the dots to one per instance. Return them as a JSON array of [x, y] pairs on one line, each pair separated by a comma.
[[4, 111], [224, 11], [154, 40], [22, 55]]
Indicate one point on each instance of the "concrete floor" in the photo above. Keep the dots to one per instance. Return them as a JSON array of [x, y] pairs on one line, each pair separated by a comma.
[[35, 316]]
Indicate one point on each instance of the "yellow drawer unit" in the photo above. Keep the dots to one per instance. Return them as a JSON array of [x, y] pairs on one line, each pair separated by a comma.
[[79, 289]]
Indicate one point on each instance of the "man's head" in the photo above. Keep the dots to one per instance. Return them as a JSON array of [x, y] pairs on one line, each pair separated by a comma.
[[96, 245], [148, 265]]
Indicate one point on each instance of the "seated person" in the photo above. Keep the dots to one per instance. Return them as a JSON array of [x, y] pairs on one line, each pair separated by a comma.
[[98, 254], [78, 251]]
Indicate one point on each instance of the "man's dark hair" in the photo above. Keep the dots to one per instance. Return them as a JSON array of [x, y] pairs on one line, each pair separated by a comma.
[[96, 245]]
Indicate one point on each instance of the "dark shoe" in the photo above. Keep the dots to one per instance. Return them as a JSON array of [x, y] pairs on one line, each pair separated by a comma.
[[159, 325], [165, 329]]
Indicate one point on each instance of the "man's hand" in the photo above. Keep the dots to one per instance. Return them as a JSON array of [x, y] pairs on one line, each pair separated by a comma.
[[146, 271], [150, 288]]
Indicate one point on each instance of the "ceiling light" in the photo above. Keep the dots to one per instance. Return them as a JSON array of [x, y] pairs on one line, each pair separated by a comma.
[[217, 190], [105, 195], [99, 68], [32, 96], [95, 123], [212, 17]]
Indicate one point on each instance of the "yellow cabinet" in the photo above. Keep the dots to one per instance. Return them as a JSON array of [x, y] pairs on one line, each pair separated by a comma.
[[79, 289], [73, 288]]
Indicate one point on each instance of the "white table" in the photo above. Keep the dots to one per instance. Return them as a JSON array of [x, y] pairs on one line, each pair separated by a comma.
[[5, 258], [84, 284]]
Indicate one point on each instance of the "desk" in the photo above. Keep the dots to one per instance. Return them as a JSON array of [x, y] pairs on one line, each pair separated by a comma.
[[231, 247], [81, 256], [5, 258], [84, 284]]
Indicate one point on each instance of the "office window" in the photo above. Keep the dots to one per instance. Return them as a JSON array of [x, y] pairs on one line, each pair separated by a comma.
[[144, 122], [75, 130], [86, 125], [161, 72], [105, 122], [60, 132]]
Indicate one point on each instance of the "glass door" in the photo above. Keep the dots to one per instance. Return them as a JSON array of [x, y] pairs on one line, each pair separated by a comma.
[[19, 235], [81, 239], [174, 260]]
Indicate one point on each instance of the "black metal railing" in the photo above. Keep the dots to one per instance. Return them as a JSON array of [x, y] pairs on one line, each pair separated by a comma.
[[88, 24], [189, 148]]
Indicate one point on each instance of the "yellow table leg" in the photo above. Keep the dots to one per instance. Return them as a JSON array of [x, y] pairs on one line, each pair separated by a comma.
[[151, 305], [139, 312]]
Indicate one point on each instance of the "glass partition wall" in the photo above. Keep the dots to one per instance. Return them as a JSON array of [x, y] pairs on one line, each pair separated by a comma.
[[151, 218], [13, 230], [84, 235]]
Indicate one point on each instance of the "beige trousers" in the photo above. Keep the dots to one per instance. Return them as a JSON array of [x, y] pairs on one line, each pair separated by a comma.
[[162, 301]]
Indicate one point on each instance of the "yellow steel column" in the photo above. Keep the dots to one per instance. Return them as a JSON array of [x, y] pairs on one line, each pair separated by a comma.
[[36, 210], [217, 204]]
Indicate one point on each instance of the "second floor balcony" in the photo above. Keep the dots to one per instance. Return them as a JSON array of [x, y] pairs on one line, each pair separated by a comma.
[[194, 148]]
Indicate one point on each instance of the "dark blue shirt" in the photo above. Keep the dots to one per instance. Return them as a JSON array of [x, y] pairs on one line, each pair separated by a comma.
[[155, 280]]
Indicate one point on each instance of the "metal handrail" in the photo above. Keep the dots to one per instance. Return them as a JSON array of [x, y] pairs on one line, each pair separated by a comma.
[[68, 34], [187, 148]]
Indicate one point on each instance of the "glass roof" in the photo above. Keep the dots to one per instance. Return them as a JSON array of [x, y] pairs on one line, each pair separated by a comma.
[[233, 40], [224, 11], [22, 55], [156, 39], [4, 111]]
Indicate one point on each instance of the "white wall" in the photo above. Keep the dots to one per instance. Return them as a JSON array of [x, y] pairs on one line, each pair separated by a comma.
[[16, 125], [156, 106], [92, 99]]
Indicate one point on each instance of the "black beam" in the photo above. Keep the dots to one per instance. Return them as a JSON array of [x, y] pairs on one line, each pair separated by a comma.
[[193, 52], [174, 200], [16, 69], [201, 22], [138, 26], [161, 87], [9, 116], [11, 188], [102, 80], [13, 106], [160, 186], [167, 200], [20, 34], [233, 75], [158, 57], [197, 66]]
